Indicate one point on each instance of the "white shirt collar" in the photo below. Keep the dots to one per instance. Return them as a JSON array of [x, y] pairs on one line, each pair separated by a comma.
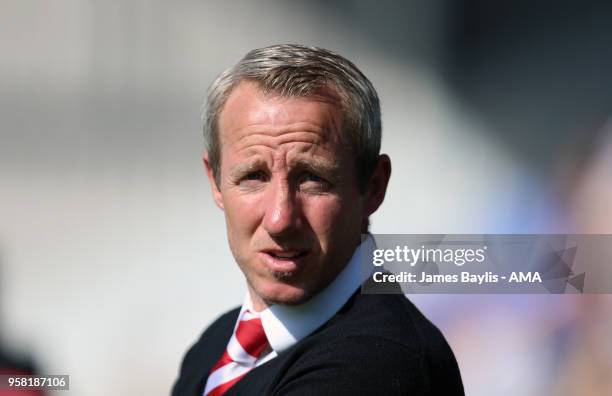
[[285, 325]]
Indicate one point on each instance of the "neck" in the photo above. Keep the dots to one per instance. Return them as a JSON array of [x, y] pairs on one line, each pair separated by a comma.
[[257, 302]]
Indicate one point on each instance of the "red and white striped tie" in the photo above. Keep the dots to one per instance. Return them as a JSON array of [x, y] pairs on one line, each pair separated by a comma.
[[244, 348]]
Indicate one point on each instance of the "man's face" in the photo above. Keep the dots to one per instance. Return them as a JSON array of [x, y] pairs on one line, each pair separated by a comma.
[[288, 187]]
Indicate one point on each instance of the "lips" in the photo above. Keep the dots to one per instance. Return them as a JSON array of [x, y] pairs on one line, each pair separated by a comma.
[[285, 261], [283, 255]]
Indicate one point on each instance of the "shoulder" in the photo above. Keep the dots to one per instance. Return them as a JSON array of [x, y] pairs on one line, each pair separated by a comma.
[[377, 343], [203, 354], [392, 317], [219, 329]]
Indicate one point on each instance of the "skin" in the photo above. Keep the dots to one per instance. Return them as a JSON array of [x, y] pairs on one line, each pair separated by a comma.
[[288, 189]]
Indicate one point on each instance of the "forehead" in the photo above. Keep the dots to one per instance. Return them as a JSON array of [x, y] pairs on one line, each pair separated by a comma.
[[249, 111]]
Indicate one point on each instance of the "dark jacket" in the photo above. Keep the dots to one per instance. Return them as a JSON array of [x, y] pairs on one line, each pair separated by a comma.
[[375, 345]]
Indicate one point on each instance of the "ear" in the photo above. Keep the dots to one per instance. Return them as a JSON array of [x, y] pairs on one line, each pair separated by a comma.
[[377, 186], [213, 183]]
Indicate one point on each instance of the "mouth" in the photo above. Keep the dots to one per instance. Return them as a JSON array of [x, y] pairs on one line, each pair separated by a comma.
[[284, 262]]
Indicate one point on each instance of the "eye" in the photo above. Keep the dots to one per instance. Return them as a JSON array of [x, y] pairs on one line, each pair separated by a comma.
[[312, 182], [312, 177], [252, 180], [258, 175]]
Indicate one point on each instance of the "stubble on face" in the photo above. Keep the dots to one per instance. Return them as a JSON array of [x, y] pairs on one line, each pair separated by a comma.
[[289, 192]]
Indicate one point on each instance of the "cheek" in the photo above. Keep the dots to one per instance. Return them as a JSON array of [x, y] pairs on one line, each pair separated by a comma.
[[330, 217], [241, 216]]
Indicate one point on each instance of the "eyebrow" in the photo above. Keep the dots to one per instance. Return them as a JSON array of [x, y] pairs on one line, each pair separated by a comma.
[[327, 170], [248, 167]]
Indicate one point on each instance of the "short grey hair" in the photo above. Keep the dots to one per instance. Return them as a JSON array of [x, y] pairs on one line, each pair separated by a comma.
[[291, 70]]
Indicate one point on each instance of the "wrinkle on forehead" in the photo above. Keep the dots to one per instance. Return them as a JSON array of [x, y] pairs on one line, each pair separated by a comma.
[[249, 114], [264, 140]]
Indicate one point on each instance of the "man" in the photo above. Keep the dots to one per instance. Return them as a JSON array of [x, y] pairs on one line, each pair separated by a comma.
[[292, 154]]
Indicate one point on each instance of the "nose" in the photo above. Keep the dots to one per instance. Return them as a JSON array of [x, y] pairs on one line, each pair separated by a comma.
[[282, 211]]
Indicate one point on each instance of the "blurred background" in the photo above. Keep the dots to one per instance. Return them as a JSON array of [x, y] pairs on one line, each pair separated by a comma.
[[497, 117]]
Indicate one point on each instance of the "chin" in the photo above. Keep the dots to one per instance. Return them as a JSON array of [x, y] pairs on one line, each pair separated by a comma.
[[283, 294]]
